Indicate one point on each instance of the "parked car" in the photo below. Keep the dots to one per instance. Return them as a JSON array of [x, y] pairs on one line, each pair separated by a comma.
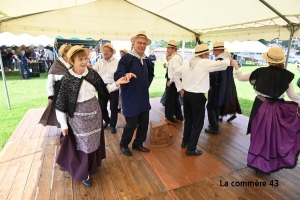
[[294, 59]]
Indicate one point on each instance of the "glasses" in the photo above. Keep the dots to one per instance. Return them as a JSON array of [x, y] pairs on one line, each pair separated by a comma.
[[107, 51], [141, 43]]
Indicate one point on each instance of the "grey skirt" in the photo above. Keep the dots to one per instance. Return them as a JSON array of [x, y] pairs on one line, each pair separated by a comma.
[[86, 125]]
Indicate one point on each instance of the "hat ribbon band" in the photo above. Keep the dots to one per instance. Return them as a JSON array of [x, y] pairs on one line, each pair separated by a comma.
[[274, 59], [219, 46], [172, 45], [201, 51], [141, 35]]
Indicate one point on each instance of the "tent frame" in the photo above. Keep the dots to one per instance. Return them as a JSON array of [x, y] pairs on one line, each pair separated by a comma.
[[292, 27]]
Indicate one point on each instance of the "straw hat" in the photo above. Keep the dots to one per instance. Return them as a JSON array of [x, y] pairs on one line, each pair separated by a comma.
[[75, 49], [63, 47], [141, 34], [124, 51], [228, 53], [109, 45], [274, 55], [218, 45], [201, 49], [173, 44]]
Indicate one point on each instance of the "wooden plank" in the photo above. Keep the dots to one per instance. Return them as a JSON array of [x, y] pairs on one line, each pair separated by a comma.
[[58, 184], [19, 133], [206, 191], [181, 177], [150, 174], [96, 189], [31, 187], [137, 184], [80, 191], [194, 192], [216, 188], [11, 172], [18, 186], [117, 176], [108, 188], [210, 165], [251, 193], [46, 177], [275, 193], [154, 166], [7, 154], [68, 186], [183, 194], [32, 125], [229, 189]]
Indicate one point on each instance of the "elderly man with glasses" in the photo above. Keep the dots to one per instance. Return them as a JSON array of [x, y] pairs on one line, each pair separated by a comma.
[[135, 95]]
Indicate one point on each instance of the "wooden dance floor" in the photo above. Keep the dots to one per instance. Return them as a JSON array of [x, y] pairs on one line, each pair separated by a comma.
[[28, 169]]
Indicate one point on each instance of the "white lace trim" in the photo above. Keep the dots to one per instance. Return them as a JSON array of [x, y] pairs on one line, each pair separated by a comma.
[[88, 133], [85, 114]]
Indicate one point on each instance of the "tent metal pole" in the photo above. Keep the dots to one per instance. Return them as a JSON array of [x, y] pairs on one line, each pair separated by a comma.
[[292, 30], [4, 82], [292, 27]]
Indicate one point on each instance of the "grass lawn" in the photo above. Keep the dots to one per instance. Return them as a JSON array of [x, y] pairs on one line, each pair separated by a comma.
[[26, 94]]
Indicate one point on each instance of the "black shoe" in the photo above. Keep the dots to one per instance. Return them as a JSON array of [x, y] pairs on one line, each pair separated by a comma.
[[126, 151], [141, 148], [183, 145], [87, 182], [231, 118], [113, 129], [209, 130], [221, 119], [105, 124], [119, 110], [193, 153]]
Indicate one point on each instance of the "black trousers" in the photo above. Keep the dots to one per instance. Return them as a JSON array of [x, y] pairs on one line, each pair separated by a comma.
[[194, 113], [172, 106], [140, 122], [213, 112], [114, 101]]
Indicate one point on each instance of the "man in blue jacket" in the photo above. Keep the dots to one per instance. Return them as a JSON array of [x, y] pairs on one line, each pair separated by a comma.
[[135, 95]]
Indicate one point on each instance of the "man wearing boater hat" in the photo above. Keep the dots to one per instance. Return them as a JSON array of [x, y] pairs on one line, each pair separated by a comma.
[[195, 83], [106, 68], [172, 105], [135, 95], [220, 92]]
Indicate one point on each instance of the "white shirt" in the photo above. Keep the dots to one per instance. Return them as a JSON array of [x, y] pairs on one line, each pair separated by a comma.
[[87, 91], [106, 69], [54, 77], [174, 63], [196, 79]]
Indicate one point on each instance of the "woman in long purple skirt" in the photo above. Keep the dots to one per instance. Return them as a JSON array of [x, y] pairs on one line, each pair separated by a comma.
[[274, 123]]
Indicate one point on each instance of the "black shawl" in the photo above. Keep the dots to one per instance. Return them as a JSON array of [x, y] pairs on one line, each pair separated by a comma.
[[271, 81], [66, 98]]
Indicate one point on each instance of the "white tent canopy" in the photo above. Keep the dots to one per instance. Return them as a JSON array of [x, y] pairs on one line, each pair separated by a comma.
[[113, 19], [246, 46], [214, 20], [8, 39]]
